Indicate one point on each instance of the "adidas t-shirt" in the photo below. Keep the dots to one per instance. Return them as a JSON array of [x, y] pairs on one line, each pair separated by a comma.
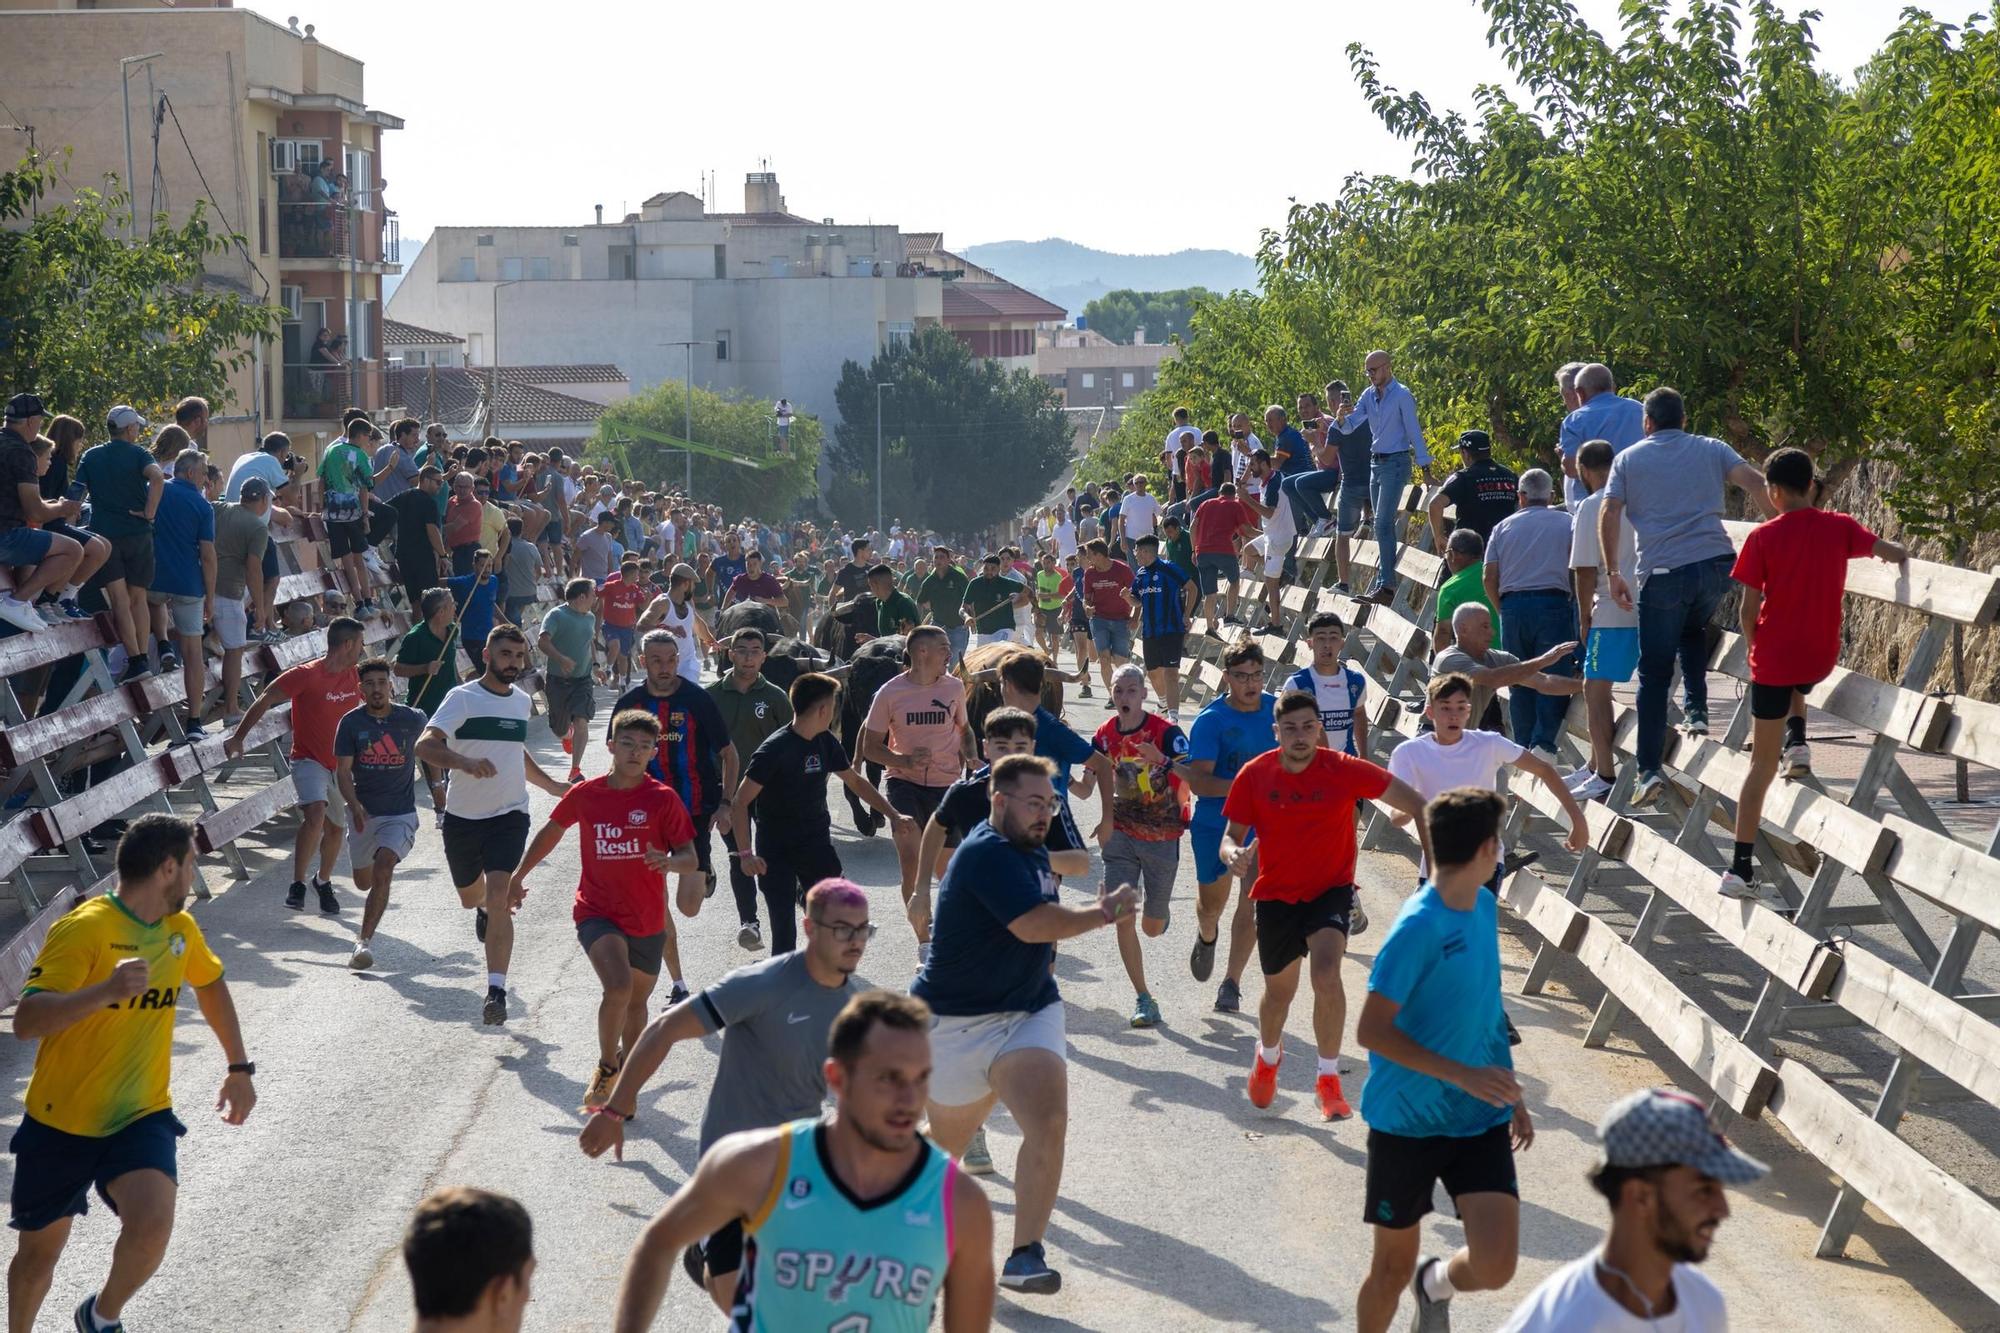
[[480, 724], [384, 751]]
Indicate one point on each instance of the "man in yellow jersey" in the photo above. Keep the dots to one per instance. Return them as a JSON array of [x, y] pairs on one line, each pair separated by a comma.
[[101, 999]]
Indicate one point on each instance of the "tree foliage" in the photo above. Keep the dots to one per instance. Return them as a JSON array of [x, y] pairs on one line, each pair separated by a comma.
[[965, 444], [730, 423], [1164, 316], [89, 319]]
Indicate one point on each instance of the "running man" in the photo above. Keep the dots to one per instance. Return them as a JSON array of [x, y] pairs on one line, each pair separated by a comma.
[[753, 710], [794, 832], [101, 1000], [1159, 595], [990, 978], [566, 643], [1302, 799], [636, 833], [917, 730], [1021, 679], [479, 735], [1232, 730], [673, 611], [1147, 797], [428, 658], [623, 596], [375, 747], [1339, 688], [1441, 1101]]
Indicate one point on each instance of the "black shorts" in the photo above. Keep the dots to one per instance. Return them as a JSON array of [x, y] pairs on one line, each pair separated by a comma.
[[1077, 619], [722, 1252], [1051, 622], [1283, 928], [347, 538], [476, 848], [1404, 1171], [642, 952], [1769, 703], [131, 559], [54, 1170], [914, 799], [1163, 651], [703, 861], [790, 871]]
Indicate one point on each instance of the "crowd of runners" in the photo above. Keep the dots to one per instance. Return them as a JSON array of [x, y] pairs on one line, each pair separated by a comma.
[[785, 1223]]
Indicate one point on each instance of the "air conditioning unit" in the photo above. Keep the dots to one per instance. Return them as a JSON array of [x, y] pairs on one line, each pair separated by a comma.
[[294, 300]]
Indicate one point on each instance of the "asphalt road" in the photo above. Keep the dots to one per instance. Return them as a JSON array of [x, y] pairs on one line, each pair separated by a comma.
[[1182, 1207]]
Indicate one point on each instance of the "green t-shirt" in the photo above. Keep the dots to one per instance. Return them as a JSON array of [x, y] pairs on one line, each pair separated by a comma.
[[1468, 585], [420, 648], [991, 601], [572, 632], [751, 716], [1180, 551], [943, 593], [115, 474], [892, 612], [1048, 589], [346, 468]]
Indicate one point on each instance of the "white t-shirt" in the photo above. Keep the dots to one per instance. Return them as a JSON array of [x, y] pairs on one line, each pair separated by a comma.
[[1065, 536], [670, 547], [1430, 769], [1585, 551], [1239, 454], [1141, 514], [681, 625], [480, 724], [1178, 434], [1571, 1300]]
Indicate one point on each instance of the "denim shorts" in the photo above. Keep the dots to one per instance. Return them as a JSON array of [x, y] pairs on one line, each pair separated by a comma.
[[1216, 571], [1111, 636], [24, 546], [1353, 499]]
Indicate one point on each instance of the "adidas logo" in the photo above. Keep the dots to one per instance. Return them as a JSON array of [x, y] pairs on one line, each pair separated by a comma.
[[384, 753]]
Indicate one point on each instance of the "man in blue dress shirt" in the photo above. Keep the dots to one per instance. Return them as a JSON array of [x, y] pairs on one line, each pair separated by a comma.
[[1602, 415], [1391, 415]]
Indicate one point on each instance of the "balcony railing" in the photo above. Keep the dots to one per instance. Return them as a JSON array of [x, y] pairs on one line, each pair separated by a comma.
[[321, 391], [327, 229]]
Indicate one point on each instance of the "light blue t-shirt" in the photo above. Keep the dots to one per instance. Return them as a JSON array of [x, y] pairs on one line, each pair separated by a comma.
[[1231, 739], [1672, 485], [1443, 967], [1531, 548], [1619, 422], [1339, 696], [254, 464]]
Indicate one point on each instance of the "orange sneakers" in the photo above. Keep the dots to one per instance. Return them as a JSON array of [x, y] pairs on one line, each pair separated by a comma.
[[1263, 1082], [1332, 1102]]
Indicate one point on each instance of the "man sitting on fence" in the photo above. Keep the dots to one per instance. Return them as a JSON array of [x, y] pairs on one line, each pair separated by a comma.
[[46, 557], [1490, 670]]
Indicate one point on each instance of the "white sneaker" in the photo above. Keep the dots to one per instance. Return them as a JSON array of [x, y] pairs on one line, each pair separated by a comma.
[[117, 660], [1592, 788], [1648, 788], [363, 959], [1798, 760], [1577, 777], [1733, 885], [976, 1161], [21, 615]]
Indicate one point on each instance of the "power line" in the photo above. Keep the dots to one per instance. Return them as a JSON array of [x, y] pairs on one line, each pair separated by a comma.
[[235, 233]]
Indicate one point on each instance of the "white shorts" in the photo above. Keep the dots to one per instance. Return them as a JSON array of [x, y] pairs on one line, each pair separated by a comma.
[[995, 636], [232, 623], [313, 783], [963, 1049], [392, 833], [1274, 565]]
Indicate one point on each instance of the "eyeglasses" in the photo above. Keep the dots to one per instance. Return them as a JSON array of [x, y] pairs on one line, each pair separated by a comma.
[[843, 933], [1245, 676]]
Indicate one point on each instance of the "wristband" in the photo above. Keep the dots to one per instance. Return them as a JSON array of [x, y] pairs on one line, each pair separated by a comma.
[[247, 1067], [612, 1111]]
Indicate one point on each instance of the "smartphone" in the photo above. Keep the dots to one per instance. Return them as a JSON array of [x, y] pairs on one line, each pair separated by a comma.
[[77, 490]]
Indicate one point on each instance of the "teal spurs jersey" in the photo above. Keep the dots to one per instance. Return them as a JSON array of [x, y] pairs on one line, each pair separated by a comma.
[[817, 1258]]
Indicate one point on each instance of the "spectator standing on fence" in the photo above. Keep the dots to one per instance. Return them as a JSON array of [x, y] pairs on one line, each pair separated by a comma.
[[1465, 558], [321, 693], [375, 746], [421, 555], [1672, 484], [272, 463], [51, 558], [1356, 449], [125, 486], [395, 474], [1609, 632], [1527, 576], [241, 535], [1481, 492], [185, 567], [348, 478], [1793, 570], [191, 415], [100, 1001], [494, 534], [1600, 414], [1663, 1167], [461, 523], [1389, 410]]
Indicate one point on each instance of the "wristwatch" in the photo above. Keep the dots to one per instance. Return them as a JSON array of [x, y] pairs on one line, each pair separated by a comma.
[[247, 1067]]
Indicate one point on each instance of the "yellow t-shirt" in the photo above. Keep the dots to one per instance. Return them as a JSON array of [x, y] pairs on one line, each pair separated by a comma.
[[493, 531], [99, 1075]]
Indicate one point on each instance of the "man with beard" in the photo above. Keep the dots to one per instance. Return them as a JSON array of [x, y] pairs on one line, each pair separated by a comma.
[[990, 979], [839, 1177], [1662, 1167], [479, 735], [101, 999]]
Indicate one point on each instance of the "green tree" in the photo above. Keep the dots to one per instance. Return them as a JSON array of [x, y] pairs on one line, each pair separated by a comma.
[[965, 444], [744, 428], [89, 319], [1163, 315]]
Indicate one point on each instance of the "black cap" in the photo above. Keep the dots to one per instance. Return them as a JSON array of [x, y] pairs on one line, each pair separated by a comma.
[[24, 405], [1476, 442]]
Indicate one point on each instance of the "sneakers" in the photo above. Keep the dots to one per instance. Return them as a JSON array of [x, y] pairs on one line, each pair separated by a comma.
[[295, 897], [1590, 787], [1431, 1316], [137, 669], [1201, 962], [169, 659], [115, 659], [975, 1160], [1145, 1011], [678, 992], [1344, 588], [1694, 721], [1263, 1084], [50, 613], [327, 902], [71, 611], [569, 747], [1083, 689], [22, 616], [494, 1013], [1028, 1270], [479, 923], [1357, 917], [1798, 760], [750, 936], [599, 1091], [1332, 1101], [1648, 789], [363, 959], [86, 1318], [1733, 885], [1228, 997]]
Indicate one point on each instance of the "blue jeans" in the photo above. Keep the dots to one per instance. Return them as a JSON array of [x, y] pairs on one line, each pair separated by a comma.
[[1674, 611], [1353, 499], [1531, 623], [959, 636], [1308, 491], [1388, 481]]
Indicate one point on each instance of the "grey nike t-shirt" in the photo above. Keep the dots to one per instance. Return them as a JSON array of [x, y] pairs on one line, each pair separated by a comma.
[[774, 1019]]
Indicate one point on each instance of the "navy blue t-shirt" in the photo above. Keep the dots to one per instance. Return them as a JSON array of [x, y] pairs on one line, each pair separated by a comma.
[[1301, 453], [1158, 589], [1054, 740], [977, 965]]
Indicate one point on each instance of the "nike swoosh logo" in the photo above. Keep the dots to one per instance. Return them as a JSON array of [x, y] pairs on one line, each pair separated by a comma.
[[790, 1204], [797, 1018]]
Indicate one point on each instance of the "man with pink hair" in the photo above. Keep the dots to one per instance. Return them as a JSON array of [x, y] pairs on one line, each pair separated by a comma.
[[774, 1017]]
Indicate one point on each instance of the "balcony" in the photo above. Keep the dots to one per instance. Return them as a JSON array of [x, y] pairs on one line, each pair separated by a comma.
[[321, 391], [343, 233]]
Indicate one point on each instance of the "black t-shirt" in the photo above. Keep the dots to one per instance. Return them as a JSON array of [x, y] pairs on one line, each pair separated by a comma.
[[968, 801], [17, 469], [55, 482], [792, 772], [1484, 493], [850, 579], [415, 511]]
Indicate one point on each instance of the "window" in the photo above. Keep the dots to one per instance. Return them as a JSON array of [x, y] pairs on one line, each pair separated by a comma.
[[901, 333], [539, 268], [722, 344], [486, 238], [721, 261], [361, 330], [1126, 382], [288, 155], [569, 238], [361, 174], [293, 299], [467, 269], [512, 269], [1089, 380]]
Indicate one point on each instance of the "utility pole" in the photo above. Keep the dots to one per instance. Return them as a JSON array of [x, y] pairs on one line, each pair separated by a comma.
[[125, 64], [878, 453], [687, 402]]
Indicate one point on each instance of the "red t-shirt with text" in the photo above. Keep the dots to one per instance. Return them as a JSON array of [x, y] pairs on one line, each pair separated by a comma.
[[1799, 562], [1304, 821], [1195, 471], [1100, 590], [623, 601], [617, 828], [320, 698]]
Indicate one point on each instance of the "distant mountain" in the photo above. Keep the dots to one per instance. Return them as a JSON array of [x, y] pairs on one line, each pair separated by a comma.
[[1074, 275]]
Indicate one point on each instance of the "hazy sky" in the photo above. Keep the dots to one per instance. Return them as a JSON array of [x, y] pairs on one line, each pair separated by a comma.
[[1131, 127]]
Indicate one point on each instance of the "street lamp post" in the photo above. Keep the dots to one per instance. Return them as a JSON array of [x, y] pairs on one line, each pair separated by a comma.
[[878, 453], [493, 355], [687, 402]]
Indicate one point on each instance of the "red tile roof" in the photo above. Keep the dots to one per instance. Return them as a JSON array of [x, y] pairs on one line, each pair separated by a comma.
[[396, 333], [459, 389], [596, 373], [983, 301]]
